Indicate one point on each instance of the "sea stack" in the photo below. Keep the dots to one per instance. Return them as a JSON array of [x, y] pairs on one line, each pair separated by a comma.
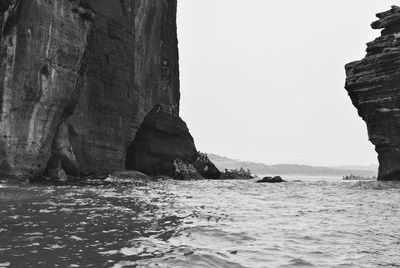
[[163, 145], [373, 84], [77, 79]]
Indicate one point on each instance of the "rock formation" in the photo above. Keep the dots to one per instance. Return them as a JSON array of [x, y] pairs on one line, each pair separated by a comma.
[[77, 78], [164, 146], [374, 87], [205, 167], [276, 179]]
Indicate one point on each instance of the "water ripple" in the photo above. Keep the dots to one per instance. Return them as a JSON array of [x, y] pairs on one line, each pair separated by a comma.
[[303, 223]]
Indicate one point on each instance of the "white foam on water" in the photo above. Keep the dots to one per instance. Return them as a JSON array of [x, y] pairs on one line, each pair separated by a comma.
[[77, 238], [110, 252], [34, 234], [55, 246], [110, 231], [123, 264], [46, 211], [132, 251]]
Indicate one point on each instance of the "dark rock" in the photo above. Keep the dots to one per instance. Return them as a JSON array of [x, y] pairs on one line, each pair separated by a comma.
[[373, 85], [276, 179], [162, 138], [164, 146], [97, 67], [236, 174], [161, 178], [62, 151], [185, 171], [55, 170], [205, 167]]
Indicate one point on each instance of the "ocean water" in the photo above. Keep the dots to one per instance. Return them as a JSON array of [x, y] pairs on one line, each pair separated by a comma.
[[307, 222]]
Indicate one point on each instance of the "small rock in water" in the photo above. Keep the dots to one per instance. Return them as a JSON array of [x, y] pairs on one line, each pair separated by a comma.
[[276, 179]]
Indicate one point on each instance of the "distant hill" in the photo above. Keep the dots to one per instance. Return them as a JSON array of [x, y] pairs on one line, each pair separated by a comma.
[[287, 169]]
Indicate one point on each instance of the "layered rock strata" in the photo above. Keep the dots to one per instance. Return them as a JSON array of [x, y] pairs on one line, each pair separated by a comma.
[[373, 85], [77, 78], [164, 146]]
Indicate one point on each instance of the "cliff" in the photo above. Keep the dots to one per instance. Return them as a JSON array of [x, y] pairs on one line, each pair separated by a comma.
[[77, 78], [373, 85]]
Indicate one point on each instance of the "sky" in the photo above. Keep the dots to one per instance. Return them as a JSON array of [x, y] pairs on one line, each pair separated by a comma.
[[263, 80]]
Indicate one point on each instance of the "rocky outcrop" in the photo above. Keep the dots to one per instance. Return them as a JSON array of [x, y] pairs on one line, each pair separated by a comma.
[[237, 174], [374, 87], [164, 146], [205, 167], [185, 171], [78, 77]]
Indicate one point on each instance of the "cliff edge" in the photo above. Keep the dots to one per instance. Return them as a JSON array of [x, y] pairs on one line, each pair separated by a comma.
[[373, 85], [78, 77]]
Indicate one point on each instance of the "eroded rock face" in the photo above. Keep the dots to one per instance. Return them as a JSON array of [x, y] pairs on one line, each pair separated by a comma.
[[374, 87], [95, 68], [43, 57], [164, 146], [132, 66]]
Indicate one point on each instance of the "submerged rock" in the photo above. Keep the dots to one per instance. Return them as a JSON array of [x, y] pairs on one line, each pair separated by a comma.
[[373, 84], [276, 179]]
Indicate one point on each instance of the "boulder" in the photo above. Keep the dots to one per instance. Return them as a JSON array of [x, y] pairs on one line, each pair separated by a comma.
[[164, 146], [184, 171], [206, 168], [276, 179]]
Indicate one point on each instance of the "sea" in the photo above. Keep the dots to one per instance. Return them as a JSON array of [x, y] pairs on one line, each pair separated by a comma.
[[306, 222]]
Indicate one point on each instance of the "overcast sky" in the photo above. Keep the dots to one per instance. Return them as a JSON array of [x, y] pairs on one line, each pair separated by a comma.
[[263, 80]]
